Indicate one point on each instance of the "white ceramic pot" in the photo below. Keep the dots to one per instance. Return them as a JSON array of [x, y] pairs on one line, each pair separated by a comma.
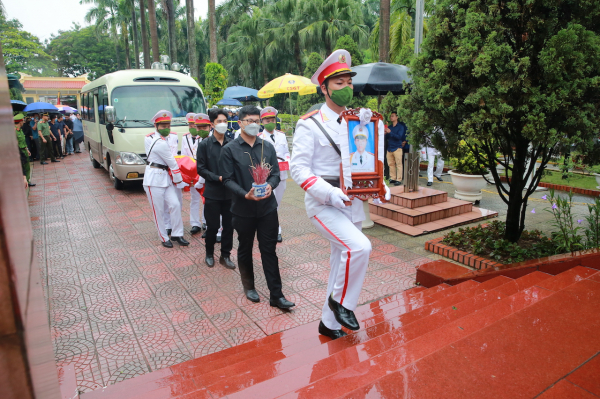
[[468, 187], [597, 179]]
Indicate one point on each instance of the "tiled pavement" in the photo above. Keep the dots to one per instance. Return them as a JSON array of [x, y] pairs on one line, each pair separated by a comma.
[[121, 305]]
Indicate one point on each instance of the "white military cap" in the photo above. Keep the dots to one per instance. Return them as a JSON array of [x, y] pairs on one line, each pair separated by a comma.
[[360, 131], [268, 112], [201, 119], [338, 63], [162, 116], [190, 117]]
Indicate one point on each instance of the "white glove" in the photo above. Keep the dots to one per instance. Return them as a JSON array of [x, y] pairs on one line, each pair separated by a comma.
[[337, 198], [181, 185], [388, 193], [199, 186]]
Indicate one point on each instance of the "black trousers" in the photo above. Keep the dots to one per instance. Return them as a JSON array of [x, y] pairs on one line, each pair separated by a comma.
[[214, 212], [47, 149], [266, 229], [57, 148]]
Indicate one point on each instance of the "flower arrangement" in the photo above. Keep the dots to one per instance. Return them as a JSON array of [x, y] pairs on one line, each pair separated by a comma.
[[465, 163], [260, 173]]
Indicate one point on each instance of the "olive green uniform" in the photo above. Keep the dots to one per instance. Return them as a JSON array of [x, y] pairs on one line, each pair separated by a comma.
[[25, 153], [44, 128]]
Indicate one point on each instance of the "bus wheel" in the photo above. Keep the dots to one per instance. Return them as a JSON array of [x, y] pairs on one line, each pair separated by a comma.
[[118, 184], [95, 163]]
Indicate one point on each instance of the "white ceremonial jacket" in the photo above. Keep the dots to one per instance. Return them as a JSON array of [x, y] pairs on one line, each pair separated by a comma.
[[160, 154], [281, 147], [313, 156], [189, 148]]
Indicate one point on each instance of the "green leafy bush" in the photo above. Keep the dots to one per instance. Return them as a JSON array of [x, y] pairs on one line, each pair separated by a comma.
[[465, 161]]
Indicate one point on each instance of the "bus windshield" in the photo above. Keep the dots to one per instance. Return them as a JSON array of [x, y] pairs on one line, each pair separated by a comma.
[[141, 103]]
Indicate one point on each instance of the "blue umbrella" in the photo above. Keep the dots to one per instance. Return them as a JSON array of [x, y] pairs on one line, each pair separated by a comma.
[[229, 101], [241, 93], [18, 105], [40, 107]]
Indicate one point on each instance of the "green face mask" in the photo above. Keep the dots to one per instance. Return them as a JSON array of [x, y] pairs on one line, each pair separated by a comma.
[[193, 131], [203, 133], [164, 132], [341, 97], [270, 126]]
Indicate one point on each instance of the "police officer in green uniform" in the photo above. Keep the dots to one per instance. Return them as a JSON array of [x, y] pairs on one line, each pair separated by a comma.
[[24, 151]]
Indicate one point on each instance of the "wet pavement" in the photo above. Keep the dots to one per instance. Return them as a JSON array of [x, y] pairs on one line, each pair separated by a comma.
[[121, 305]]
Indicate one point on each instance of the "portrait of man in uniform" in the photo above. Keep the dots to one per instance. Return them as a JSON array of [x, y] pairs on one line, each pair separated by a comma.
[[362, 143]]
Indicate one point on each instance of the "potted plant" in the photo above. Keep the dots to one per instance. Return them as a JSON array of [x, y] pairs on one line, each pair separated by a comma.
[[468, 176]]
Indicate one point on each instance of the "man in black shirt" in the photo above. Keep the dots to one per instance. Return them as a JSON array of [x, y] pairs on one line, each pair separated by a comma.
[[251, 214], [217, 199]]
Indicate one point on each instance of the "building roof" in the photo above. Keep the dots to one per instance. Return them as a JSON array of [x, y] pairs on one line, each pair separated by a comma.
[[54, 84]]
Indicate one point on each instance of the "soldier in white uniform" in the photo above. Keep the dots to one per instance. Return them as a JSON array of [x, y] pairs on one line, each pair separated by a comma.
[[199, 126], [429, 153], [268, 118], [315, 166], [361, 160], [159, 186]]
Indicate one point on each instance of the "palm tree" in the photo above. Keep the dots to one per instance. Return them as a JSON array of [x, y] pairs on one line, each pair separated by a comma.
[[153, 30], [191, 38], [123, 17], [283, 26], [169, 9], [134, 31], [212, 27], [145, 44], [105, 14], [384, 32]]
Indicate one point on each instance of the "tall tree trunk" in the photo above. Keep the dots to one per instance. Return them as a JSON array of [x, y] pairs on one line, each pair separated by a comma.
[[298, 57], [515, 218], [125, 35], [117, 47], [145, 44], [191, 37], [153, 30], [212, 27], [384, 30], [170, 9], [134, 31]]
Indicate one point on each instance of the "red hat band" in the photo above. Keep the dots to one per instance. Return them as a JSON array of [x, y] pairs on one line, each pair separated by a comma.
[[333, 68], [162, 119], [202, 122], [268, 115]]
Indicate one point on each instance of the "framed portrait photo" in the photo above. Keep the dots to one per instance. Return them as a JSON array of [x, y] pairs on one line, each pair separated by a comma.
[[367, 169]]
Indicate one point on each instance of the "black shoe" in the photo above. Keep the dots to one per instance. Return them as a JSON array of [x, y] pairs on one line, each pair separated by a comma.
[[420, 175], [333, 334], [439, 178], [218, 238], [281, 303], [31, 184], [429, 183], [169, 232], [195, 230], [210, 260], [167, 244], [279, 238], [204, 234], [392, 181], [43, 163], [397, 183], [343, 316], [203, 226], [56, 160], [77, 152], [252, 295], [226, 261], [181, 241]]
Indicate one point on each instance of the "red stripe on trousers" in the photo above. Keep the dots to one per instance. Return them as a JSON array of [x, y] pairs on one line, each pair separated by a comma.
[[308, 181], [154, 212], [347, 260]]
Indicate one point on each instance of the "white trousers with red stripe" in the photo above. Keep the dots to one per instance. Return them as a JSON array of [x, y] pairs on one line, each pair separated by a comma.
[[165, 199], [167, 214], [279, 195], [350, 251], [195, 201]]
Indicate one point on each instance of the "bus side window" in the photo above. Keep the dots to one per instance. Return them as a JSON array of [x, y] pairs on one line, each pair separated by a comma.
[[83, 105], [91, 112], [102, 102]]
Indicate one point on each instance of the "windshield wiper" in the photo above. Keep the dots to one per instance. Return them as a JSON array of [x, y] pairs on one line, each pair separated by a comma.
[[140, 121]]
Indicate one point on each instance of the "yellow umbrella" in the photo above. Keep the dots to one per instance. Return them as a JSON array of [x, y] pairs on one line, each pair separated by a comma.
[[288, 83]]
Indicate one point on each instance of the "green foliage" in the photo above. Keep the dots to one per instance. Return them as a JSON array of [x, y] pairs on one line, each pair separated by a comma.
[[216, 82], [566, 238], [466, 163], [15, 94], [515, 76], [22, 51], [592, 232], [372, 104], [305, 102], [488, 242], [345, 42]]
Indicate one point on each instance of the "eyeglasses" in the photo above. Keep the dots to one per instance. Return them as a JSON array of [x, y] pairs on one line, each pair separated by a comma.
[[251, 120]]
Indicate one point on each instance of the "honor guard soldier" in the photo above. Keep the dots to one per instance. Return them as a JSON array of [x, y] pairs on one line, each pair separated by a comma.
[[161, 188], [199, 126], [320, 143], [23, 150], [268, 118]]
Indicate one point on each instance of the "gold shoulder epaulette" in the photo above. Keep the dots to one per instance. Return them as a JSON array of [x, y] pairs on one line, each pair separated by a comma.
[[309, 114]]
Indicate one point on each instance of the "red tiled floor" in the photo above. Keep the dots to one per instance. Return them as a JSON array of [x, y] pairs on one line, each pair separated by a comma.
[[121, 305], [587, 376], [565, 389]]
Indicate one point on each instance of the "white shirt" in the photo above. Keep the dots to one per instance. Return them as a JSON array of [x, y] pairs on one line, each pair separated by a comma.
[[160, 153], [190, 148], [366, 164], [281, 147]]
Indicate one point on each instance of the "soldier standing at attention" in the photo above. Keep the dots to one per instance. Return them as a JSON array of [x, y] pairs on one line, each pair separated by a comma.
[[160, 188], [22, 141], [320, 143], [279, 141]]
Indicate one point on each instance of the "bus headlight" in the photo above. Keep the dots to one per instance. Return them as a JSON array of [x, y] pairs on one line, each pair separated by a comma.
[[129, 158]]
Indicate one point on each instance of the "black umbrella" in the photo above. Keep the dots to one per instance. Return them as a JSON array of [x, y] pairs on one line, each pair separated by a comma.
[[380, 78]]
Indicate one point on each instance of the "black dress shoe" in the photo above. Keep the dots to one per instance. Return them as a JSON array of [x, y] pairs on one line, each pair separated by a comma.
[[31, 184], [167, 244], [333, 334], [43, 163], [252, 295], [169, 232], [279, 238], [397, 183], [429, 183], [343, 316], [392, 181], [226, 261], [439, 178], [281, 303], [210, 260], [56, 160], [204, 234], [181, 241], [203, 226], [195, 230], [218, 238]]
